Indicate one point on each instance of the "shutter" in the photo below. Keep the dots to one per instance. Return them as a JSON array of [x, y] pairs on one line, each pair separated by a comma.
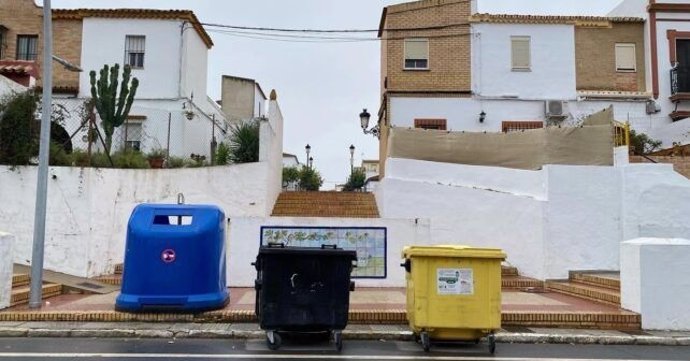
[[520, 52], [416, 49], [625, 57]]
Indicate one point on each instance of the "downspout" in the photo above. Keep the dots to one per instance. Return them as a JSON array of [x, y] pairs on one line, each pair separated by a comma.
[[654, 49]]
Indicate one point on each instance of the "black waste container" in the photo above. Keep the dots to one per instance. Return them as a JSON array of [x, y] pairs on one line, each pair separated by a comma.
[[303, 290]]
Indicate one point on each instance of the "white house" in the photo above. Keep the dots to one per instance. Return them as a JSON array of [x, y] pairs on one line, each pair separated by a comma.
[[168, 53]]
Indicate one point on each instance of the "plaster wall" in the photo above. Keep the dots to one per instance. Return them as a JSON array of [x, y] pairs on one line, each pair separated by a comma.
[[651, 285], [245, 232], [552, 49], [160, 77], [88, 208], [6, 241], [194, 64], [549, 222]]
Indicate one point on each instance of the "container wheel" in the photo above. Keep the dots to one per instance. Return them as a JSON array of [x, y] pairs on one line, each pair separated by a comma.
[[492, 343], [273, 340], [426, 341], [338, 340]]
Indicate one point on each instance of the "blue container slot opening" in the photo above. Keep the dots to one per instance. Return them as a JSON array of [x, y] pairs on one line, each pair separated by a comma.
[[174, 220]]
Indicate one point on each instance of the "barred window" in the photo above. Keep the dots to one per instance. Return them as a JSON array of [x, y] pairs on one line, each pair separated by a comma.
[[135, 46], [430, 124], [518, 126], [27, 47]]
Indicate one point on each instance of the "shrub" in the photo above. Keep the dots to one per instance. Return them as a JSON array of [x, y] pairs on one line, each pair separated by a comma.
[[310, 179], [175, 162], [130, 159], [641, 143], [355, 181], [244, 142], [19, 129], [222, 154]]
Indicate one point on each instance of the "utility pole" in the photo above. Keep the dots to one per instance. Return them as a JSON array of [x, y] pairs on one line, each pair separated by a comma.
[[36, 290]]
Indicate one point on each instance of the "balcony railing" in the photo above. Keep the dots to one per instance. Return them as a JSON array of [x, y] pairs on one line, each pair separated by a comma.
[[680, 80]]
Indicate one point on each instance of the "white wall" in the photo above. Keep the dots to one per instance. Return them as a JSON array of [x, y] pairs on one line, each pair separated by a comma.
[[194, 64], [549, 222], [88, 208], [652, 282], [245, 235], [8, 87], [103, 42], [6, 241], [271, 152], [552, 50], [259, 102]]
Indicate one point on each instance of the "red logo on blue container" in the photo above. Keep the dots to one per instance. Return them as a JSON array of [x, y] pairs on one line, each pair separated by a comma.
[[168, 256]]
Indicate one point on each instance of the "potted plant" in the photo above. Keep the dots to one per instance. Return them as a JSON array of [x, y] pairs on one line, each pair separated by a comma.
[[156, 158]]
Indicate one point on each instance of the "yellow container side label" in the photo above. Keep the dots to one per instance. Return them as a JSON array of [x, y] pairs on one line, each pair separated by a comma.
[[454, 281]]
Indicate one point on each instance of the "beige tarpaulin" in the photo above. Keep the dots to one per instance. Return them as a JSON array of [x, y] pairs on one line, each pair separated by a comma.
[[589, 144]]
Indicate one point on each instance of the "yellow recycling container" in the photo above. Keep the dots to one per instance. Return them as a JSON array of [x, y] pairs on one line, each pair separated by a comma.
[[453, 293]]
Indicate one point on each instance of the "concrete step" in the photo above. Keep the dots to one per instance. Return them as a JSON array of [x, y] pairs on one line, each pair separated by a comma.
[[609, 280], [326, 204], [507, 271], [588, 292], [20, 295], [115, 280], [119, 268], [20, 279], [518, 282]]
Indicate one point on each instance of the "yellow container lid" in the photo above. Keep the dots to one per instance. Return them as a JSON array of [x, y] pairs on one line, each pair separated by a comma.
[[453, 251]]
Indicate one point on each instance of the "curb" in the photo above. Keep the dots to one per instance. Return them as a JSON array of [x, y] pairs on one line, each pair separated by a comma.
[[501, 337]]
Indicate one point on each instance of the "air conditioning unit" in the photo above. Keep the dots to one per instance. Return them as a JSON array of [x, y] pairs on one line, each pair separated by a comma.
[[555, 109]]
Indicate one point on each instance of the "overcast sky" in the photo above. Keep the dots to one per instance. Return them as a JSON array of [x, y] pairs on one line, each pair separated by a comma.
[[322, 87]]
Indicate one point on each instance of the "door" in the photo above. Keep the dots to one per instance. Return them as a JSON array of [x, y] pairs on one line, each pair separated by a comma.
[[683, 58]]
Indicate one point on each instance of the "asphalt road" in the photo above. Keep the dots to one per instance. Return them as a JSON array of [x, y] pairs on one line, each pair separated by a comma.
[[197, 349]]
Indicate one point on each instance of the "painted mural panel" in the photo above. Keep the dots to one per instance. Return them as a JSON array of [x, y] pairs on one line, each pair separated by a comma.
[[369, 243]]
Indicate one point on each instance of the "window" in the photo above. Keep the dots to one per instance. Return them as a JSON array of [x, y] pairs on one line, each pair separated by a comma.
[[416, 54], [134, 50], [133, 134], [520, 53], [2, 41], [27, 47], [625, 57], [430, 124], [518, 126]]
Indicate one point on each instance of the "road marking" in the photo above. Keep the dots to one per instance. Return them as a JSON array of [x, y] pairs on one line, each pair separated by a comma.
[[286, 357]]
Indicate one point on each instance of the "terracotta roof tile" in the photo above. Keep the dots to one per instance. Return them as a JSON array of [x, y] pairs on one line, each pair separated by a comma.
[[550, 19], [187, 15]]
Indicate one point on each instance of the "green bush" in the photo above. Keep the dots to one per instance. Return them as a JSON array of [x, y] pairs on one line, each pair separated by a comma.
[[290, 174], [100, 160], [356, 180], [58, 156], [641, 143], [19, 129], [222, 154], [130, 159], [310, 179], [175, 162], [79, 158]]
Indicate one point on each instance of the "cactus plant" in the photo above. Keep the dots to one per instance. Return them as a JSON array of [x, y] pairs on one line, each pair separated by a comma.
[[113, 108]]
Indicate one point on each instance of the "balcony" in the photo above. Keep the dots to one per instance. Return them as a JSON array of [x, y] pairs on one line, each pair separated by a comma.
[[680, 84]]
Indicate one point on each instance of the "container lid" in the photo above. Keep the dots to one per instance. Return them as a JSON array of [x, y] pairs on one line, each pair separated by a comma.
[[308, 251], [453, 251]]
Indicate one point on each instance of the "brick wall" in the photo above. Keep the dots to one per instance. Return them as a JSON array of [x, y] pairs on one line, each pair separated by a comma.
[[680, 164], [595, 56], [449, 47], [23, 17]]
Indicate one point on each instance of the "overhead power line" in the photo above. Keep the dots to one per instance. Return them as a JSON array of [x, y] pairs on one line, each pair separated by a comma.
[[330, 31]]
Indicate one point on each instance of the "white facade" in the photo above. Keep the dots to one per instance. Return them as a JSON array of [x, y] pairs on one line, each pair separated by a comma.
[[6, 262], [651, 284], [552, 56], [173, 81]]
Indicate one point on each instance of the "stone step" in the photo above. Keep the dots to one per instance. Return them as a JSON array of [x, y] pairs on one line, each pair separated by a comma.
[[119, 268], [326, 204], [20, 279], [518, 282], [610, 280], [509, 271], [588, 292], [20, 295], [115, 280]]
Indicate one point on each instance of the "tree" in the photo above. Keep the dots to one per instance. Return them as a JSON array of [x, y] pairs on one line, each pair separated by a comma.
[[310, 179], [244, 142], [113, 108], [19, 129], [641, 143], [355, 180]]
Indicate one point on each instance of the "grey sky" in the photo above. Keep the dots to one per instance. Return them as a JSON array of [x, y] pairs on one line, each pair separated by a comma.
[[322, 87]]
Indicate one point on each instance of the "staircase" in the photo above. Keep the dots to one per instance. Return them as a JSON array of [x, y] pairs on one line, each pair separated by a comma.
[[598, 286], [326, 204], [20, 289], [114, 279], [511, 280]]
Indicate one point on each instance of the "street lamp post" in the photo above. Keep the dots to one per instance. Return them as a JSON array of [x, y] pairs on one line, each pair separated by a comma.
[[311, 162], [35, 289], [352, 158], [308, 150]]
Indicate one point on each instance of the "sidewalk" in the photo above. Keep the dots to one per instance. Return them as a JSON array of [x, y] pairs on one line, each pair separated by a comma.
[[382, 333], [367, 306]]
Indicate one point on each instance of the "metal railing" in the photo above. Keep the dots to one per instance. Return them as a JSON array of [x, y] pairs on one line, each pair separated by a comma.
[[680, 80], [621, 134]]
